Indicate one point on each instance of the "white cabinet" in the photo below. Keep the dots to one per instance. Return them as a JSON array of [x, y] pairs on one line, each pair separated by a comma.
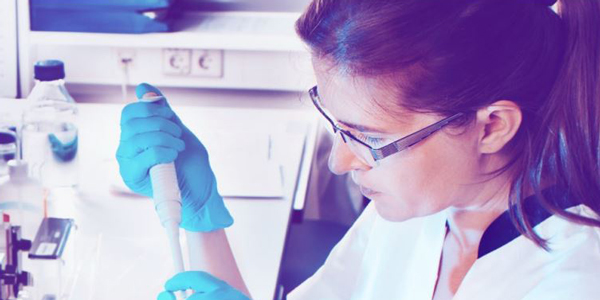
[[258, 51]]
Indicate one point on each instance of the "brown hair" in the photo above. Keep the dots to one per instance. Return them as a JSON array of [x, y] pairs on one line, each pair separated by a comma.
[[461, 55]]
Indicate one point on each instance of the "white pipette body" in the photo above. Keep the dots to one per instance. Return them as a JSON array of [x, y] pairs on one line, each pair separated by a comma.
[[167, 202]]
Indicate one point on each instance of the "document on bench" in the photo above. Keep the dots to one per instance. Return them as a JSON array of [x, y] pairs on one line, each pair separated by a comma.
[[243, 165]]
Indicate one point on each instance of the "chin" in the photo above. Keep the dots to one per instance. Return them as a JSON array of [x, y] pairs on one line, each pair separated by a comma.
[[391, 214], [391, 209]]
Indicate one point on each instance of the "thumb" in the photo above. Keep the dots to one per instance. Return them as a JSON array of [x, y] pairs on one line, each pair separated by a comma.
[[145, 91], [149, 93]]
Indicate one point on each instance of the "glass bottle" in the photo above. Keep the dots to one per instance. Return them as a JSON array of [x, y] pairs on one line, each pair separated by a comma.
[[49, 132]]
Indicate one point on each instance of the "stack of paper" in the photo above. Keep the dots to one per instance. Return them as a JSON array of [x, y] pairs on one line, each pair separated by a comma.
[[243, 164]]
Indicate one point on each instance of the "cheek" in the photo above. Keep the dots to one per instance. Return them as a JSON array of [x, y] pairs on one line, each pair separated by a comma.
[[423, 180]]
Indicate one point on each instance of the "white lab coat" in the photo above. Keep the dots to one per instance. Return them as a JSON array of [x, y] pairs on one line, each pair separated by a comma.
[[378, 259]]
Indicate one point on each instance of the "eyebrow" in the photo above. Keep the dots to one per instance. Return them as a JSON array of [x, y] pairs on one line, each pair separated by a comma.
[[361, 128]]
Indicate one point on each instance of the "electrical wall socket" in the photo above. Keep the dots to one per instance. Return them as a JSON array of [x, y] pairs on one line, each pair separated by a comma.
[[199, 63], [176, 61], [207, 63]]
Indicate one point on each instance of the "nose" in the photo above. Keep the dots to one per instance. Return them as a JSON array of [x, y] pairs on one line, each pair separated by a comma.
[[342, 160]]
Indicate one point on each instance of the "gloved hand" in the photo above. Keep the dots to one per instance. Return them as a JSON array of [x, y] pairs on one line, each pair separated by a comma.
[[151, 134], [206, 287]]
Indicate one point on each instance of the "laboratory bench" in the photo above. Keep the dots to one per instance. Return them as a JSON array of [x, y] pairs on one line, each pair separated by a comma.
[[262, 159]]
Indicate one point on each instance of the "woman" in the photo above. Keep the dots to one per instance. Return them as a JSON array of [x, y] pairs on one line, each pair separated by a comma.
[[472, 125]]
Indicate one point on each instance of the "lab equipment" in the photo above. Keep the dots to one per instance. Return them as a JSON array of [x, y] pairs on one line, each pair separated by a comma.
[[13, 278], [101, 16], [167, 197], [51, 259], [203, 284], [152, 139], [51, 238], [151, 134], [22, 198], [49, 132]]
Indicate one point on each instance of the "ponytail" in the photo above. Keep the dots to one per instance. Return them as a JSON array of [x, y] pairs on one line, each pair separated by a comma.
[[568, 148]]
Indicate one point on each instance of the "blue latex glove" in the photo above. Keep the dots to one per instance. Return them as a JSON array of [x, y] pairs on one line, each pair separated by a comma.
[[151, 134], [206, 287]]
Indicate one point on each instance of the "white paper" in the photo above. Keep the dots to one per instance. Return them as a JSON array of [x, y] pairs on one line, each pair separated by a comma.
[[243, 164]]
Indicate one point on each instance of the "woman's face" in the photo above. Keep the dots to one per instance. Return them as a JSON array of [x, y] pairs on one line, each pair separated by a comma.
[[439, 172]]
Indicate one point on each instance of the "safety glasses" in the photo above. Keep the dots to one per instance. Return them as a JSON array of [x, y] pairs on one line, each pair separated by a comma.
[[370, 154]]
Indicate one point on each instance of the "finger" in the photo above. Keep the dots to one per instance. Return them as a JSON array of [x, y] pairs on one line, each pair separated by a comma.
[[145, 110], [137, 126], [202, 296], [156, 156], [145, 91], [143, 141], [134, 170], [166, 296], [222, 293], [145, 88], [199, 281], [197, 296]]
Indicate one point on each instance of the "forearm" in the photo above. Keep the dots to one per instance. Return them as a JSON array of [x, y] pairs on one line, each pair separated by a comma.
[[211, 252]]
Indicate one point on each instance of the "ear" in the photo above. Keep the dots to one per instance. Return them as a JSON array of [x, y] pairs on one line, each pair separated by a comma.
[[499, 122]]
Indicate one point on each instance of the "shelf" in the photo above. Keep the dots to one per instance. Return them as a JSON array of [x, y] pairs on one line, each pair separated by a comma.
[[247, 31]]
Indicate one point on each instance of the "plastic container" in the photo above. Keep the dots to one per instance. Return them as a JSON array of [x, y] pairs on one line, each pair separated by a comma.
[[49, 131], [108, 16]]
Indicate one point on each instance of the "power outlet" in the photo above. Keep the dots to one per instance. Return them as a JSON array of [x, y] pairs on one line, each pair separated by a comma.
[[176, 61], [207, 63]]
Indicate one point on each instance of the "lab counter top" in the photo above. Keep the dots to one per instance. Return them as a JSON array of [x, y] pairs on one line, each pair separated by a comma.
[[121, 250]]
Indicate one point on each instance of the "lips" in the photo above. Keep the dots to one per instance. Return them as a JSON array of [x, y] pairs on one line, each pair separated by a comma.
[[367, 192], [363, 190]]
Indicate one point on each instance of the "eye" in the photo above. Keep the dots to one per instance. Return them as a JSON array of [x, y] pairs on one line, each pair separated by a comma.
[[374, 142]]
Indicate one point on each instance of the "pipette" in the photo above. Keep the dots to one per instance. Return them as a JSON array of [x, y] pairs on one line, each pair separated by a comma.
[[167, 200]]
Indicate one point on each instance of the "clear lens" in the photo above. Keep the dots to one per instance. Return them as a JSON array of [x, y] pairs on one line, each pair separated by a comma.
[[328, 127], [361, 151]]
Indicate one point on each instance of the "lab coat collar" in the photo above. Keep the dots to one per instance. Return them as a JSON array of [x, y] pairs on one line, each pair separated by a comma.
[[502, 230]]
